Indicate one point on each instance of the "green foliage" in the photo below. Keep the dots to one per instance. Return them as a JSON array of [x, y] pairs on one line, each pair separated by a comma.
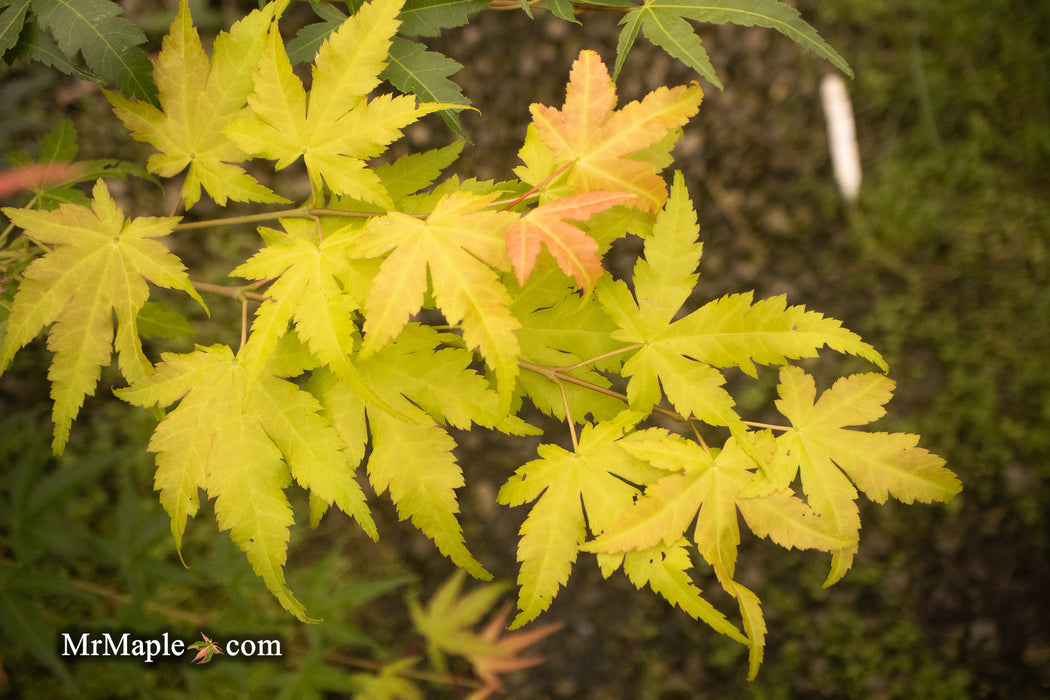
[[108, 43], [664, 24], [108, 563], [394, 305]]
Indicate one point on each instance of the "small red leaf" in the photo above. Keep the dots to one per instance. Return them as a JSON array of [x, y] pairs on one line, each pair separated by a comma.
[[575, 252]]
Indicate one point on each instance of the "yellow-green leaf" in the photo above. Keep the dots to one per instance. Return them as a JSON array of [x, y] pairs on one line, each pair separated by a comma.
[[243, 438], [572, 490], [97, 268], [414, 461], [198, 97], [460, 249], [337, 128], [833, 459], [664, 568]]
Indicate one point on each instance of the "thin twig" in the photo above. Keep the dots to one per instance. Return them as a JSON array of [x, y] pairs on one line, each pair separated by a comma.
[[246, 219], [304, 212], [596, 358], [771, 426], [238, 292], [536, 188], [568, 417], [244, 323], [557, 374]]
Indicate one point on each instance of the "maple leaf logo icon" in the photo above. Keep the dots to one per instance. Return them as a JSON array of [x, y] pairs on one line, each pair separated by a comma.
[[205, 650]]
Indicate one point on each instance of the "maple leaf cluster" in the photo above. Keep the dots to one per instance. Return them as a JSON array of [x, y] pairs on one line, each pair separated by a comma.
[[394, 307]]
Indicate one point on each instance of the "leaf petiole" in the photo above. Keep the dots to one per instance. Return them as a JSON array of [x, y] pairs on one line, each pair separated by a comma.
[[305, 212]]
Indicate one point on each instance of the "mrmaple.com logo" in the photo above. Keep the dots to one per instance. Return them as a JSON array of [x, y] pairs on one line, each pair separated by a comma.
[[88, 645]]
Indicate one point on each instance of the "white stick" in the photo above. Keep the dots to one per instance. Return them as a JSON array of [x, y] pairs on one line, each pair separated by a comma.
[[842, 135]]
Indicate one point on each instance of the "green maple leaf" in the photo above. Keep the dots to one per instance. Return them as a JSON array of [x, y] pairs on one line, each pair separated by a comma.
[[664, 23], [53, 176], [606, 149], [336, 128], [97, 268], [198, 98], [243, 439], [108, 42], [834, 461], [460, 248], [12, 20], [571, 490], [430, 17], [413, 172], [425, 74]]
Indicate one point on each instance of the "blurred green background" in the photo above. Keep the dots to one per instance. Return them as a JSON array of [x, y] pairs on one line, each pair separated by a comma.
[[942, 264]]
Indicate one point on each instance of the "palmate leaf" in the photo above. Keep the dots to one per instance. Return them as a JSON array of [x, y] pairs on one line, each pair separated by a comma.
[[448, 619], [198, 97], [683, 356], [412, 457], [834, 461], [308, 288], [108, 42], [663, 23], [425, 74], [664, 568], [242, 439], [602, 145], [571, 490], [714, 487], [459, 247], [411, 68], [97, 268], [711, 492], [338, 128]]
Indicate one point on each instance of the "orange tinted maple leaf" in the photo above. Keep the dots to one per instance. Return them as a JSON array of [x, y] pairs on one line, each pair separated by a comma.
[[575, 251], [600, 141]]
